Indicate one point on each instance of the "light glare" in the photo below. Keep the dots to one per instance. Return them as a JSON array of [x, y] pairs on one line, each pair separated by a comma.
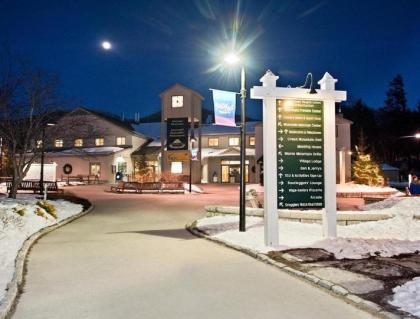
[[106, 45], [232, 58], [417, 135]]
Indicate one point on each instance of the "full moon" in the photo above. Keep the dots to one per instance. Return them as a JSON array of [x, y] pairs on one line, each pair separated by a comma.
[[106, 45]]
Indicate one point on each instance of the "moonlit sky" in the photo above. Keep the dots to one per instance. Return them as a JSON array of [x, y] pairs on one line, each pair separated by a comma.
[[158, 43]]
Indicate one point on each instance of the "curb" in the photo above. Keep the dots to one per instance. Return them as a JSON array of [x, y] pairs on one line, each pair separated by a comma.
[[14, 287], [330, 287]]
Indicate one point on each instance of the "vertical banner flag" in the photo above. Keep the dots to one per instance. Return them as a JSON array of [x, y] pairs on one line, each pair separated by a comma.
[[224, 107]]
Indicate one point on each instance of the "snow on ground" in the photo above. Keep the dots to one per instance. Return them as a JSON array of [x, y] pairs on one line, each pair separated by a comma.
[[70, 183], [257, 187], [407, 297], [400, 234], [359, 188], [15, 229], [345, 188], [194, 188]]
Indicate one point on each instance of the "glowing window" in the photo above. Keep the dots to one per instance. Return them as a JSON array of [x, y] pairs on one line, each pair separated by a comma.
[[176, 167], [58, 143], [233, 141], [121, 140], [78, 142], [99, 141], [213, 141], [252, 140]]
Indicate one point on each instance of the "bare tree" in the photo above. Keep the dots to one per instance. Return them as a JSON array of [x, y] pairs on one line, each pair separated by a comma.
[[28, 99]]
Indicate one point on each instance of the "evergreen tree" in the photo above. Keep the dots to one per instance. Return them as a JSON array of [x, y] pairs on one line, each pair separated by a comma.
[[395, 96], [365, 170]]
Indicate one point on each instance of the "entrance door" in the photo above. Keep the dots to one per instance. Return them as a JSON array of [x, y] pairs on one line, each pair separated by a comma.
[[95, 169], [231, 173]]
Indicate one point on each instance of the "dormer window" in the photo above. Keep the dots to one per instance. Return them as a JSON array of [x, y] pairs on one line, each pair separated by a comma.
[[177, 101]]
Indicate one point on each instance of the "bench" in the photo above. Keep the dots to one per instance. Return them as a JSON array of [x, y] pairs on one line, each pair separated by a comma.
[[148, 187], [94, 179], [35, 186], [172, 187]]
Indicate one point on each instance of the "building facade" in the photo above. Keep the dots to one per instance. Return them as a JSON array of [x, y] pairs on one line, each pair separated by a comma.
[[92, 143]]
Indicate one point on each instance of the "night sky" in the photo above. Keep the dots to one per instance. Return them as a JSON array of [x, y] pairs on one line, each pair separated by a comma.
[[157, 43]]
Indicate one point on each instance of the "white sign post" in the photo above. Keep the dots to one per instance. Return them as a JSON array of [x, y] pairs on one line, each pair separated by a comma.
[[269, 93]]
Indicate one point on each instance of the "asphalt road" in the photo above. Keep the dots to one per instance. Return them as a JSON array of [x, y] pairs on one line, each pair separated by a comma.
[[131, 258]]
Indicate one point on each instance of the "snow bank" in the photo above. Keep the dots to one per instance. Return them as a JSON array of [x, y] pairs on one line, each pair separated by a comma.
[[194, 188], [359, 188], [15, 229], [406, 297], [400, 234], [341, 188]]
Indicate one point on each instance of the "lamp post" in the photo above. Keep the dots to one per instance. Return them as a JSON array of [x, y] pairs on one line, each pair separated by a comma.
[[192, 140], [234, 59], [41, 177]]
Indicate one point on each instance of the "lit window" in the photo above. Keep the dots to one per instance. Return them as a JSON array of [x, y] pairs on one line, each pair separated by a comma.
[[121, 140], [99, 141], [252, 140], [177, 101], [95, 169], [58, 143], [176, 167], [233, 141], [78, 142], [39, 144], [213, 141]]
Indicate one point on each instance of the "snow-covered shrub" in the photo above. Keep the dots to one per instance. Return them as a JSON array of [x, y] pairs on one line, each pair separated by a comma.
[[21, 211], [39, 212], [48, 207]]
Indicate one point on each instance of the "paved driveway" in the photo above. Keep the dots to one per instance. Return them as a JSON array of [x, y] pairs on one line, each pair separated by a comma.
[[131, 258]]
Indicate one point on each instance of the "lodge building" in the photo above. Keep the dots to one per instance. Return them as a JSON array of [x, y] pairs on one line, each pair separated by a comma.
[[102, 145]]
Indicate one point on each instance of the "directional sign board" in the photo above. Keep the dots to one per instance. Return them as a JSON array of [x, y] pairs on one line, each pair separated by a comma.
[[300, 154]]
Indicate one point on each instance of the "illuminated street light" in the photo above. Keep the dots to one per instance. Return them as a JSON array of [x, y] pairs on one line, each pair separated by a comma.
[[417, 136], [233, 58]]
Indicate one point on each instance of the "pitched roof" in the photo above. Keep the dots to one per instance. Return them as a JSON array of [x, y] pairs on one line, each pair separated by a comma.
[[184, 87], [110, 118], [212, 129]]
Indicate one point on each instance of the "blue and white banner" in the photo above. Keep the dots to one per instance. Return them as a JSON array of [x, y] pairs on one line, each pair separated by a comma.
[[224, 107]]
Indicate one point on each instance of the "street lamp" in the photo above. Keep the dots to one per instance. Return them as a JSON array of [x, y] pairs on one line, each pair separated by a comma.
[[192, 140], [41, 177], [233, 58], [417, 136]]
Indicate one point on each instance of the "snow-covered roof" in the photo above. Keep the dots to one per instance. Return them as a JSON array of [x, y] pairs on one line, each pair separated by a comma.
[[151, 130], [212, 129], [223, 152], [103, 150]]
